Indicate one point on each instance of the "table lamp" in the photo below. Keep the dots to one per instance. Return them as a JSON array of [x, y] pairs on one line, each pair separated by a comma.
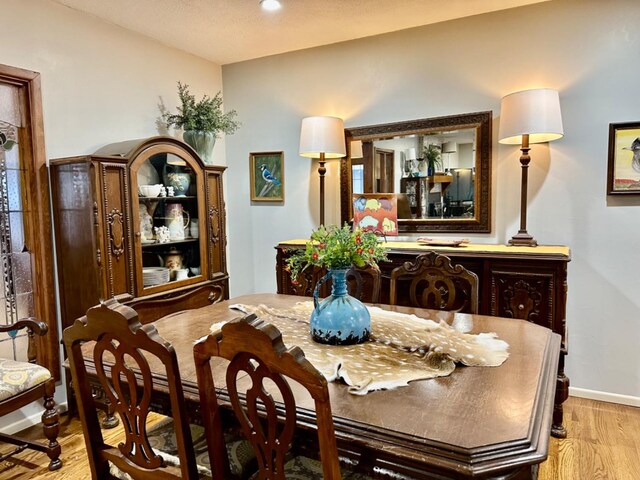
[[356, 149], [410, 157], [526, 117], [323, 138], [449, 148]]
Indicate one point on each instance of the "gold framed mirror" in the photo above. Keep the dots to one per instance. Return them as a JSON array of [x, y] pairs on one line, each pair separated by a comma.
[[439, 168]]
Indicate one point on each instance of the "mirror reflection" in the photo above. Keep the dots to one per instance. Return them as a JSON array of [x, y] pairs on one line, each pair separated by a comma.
[[433, 174], [437, 168]]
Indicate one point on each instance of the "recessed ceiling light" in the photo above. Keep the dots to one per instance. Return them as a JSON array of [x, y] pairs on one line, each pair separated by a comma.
[[271, 5]]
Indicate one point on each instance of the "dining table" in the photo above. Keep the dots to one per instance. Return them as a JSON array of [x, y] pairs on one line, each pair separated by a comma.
[[477, 422]]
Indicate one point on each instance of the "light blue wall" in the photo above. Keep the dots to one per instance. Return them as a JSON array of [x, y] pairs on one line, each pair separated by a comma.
[[587, 49]]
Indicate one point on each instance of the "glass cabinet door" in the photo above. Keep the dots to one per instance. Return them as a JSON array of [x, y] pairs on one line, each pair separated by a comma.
[[170, 252]]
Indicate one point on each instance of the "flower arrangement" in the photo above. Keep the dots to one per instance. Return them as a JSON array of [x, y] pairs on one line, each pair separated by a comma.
[[205, 115], [337, 248]]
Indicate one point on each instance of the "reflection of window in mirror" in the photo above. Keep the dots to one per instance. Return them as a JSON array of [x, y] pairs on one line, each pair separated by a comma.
[[357, 167], [357, 176]]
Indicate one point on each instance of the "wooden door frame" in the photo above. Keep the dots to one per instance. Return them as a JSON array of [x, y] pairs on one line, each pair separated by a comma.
[[383, 171], [35, 197]]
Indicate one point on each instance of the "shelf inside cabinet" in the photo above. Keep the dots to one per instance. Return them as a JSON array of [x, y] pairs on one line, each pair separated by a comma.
[[173, 199], [168, 244]]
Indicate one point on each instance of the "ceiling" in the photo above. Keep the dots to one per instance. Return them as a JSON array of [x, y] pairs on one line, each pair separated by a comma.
[[229, 31]]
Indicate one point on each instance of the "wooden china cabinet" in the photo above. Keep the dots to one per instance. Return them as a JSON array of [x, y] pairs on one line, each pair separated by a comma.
[[108, 229]]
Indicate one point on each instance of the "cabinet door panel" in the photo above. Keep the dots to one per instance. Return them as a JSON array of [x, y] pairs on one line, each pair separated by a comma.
[[527, 296], [215, 232], [118, 258]]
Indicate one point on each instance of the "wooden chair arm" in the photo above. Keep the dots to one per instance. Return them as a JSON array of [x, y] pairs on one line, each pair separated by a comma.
[[33, 324]]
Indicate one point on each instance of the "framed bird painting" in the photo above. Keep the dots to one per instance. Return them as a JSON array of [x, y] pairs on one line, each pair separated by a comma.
[[267, 176], [623, 174]]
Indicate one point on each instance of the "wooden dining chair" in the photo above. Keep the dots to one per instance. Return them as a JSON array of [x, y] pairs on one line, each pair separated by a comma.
[[22, 383], [125, 376], [364, 283], [431, 281], [255, 348]]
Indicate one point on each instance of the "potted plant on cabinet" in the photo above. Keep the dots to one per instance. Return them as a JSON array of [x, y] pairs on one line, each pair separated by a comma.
[[202, 121]]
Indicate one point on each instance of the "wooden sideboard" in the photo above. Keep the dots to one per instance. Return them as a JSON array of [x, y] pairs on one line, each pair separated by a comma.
[[528, 283]]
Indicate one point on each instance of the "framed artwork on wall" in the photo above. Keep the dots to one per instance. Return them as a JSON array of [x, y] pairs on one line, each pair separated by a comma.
[[623, 174], [267, 176]]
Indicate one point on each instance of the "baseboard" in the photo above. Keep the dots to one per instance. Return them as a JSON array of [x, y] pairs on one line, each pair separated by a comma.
[[29, 421], [605, 396]]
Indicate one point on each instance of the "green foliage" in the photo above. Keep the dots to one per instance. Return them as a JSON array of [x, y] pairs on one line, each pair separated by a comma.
[[205, 115], [433, 156], [334, 248]]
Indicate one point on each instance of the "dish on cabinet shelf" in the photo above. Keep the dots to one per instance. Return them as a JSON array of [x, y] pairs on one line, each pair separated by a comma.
[[150, 191], [147, 174], [155, 275]]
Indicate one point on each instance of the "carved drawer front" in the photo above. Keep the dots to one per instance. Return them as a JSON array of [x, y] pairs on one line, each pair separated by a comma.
[[527, 296], [151, 309]]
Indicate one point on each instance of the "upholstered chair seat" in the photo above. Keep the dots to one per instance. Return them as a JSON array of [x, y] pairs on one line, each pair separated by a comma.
[[306, 468], [18, 377], [162, 438], [22, 383], [242, 459]]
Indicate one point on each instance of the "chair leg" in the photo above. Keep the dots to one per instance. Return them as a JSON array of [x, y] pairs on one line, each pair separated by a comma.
[[51, 426]]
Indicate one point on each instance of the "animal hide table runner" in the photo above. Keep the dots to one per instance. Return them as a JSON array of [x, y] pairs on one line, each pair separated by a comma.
[[402, 348]]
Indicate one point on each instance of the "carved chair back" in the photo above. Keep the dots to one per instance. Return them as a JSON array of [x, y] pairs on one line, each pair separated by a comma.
[[255, 348], [432, 282], [364, 283], [121, 354]]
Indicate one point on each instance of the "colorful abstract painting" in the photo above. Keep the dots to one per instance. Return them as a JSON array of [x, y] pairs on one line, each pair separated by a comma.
[[376, 212]]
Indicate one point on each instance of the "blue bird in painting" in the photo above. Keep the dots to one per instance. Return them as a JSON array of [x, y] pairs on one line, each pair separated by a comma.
[[268, 177], [635, 148]]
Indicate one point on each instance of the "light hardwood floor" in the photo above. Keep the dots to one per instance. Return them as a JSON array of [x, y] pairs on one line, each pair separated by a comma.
[[603, 443]]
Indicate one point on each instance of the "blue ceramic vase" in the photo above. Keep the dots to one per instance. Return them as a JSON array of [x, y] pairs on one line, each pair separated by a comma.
[[339, 319], [174, 176]]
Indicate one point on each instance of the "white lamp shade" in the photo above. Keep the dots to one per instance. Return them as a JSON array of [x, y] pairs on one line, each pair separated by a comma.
[[322, 135], [449, 147], [410, 154], [532, 112], [356, 149]]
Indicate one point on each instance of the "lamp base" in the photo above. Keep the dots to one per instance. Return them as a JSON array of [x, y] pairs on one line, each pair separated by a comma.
[[523, 239]]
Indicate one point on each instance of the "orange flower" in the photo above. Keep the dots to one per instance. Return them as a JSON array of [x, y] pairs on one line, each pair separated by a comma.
[[370, 250], [359, 251], [358, 239], [322, 245], [314, 256]]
